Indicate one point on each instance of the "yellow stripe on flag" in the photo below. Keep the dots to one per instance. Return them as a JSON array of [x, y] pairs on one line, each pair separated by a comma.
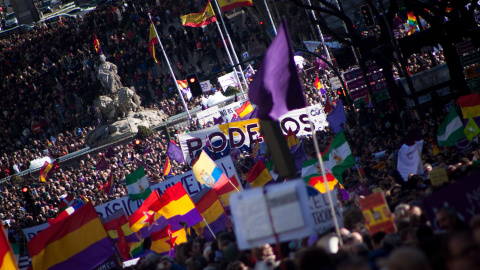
[[263, 178], [70, 245], [204, 17]]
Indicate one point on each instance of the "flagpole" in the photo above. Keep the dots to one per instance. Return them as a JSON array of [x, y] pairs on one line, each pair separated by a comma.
[[210, 229], [170, 68], [270, 17], [231, 60], [233, 185], [325, 181], [231, 45], [321, 35]]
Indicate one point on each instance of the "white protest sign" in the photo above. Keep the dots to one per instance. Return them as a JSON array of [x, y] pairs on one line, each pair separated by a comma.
[[227, 112], [298, 122], [188, 180], [206, 86], [207, 115], [321, 213], [282, 208], [227, 80]]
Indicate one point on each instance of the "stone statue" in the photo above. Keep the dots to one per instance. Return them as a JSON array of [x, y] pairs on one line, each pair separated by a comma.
[[121, 107], [107, 74]]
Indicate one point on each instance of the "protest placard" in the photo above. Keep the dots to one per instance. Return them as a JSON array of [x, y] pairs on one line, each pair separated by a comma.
[[377, 214], [259, 212], [207, 115], [321, 213], [438, 176]]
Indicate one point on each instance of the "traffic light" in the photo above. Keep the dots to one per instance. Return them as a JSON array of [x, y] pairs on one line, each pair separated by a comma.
[[367, 16], [137, 146], [194, 85], [342, 97]]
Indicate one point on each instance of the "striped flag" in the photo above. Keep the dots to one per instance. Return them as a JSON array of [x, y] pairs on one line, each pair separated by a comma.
[[164, 241], [224, 188], [7, 259], [259, 176], [77, 242], [45, 171], [207, 203], [204, 17], [152, 41], [167, 169], [97, 46]]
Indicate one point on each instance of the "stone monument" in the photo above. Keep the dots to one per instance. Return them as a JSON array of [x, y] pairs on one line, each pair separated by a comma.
[[120, 107]]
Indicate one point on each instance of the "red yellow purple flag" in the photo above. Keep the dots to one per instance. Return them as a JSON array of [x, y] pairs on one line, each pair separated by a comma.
[[7, 260], [97, 46], [152, 41], [226, 5]]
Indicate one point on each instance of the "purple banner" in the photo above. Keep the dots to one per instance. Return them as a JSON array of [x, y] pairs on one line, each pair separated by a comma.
[[358, 189], [356, 83], [463, 196], [358, 93]]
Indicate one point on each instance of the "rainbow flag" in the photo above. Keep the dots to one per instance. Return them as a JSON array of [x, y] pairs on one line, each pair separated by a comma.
[[204, 17], [224, 188], [412, 23], [157, 211], [206, 171], [245, 109], [152, 40], [258, 176], [470, 104], [164, 241], [167, 169], [77, 242], [211, 209], [226, 5], [119, 230], [7, 259]]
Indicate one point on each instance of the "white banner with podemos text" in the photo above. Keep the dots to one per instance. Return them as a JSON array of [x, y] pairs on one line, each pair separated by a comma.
[[222, 138], [298, 122]]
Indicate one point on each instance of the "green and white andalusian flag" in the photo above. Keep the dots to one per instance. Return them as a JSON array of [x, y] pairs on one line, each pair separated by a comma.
[[338, 156], [451, 129], [310, 168], [138, 185]]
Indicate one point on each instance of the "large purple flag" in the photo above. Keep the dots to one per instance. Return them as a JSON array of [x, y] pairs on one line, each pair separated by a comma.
[[175, 152], [337, 117], [101, 165], [276, 88]]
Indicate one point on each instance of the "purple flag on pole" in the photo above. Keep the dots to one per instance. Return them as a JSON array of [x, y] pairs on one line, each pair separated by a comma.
[[101, 165], [299, 155], [337, 117], [276, 88], [110, 153], [175, 152]]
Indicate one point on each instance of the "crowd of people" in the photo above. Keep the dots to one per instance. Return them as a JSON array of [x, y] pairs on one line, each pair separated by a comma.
[[49, 86]]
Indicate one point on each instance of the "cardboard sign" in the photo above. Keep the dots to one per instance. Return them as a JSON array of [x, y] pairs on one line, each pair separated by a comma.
[[438, 176], [321, 213], [259, 212], [377, 214]]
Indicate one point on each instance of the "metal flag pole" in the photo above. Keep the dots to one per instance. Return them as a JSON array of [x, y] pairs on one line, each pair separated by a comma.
[[325, 181], [320, 34], [231, 60], [270, 17], [231, 46], [170, 68]]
